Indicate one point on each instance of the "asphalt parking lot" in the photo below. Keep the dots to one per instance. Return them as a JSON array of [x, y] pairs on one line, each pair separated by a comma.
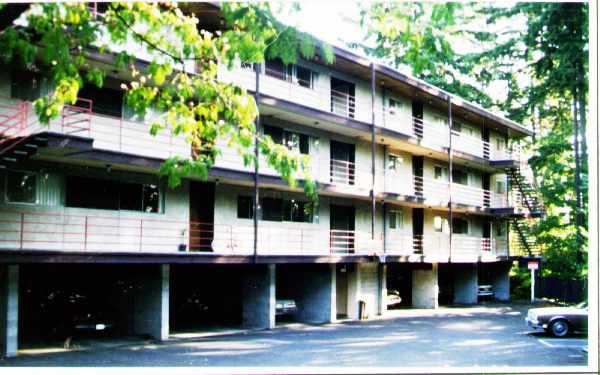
[[489, 336]]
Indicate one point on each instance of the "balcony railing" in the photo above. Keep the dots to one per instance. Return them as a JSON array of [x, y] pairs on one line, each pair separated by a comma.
[[108, 132], [86, 230], [346, 173]]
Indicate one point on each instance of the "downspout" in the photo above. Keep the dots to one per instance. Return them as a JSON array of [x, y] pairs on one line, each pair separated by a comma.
[[450, 178], [373, 150], [257, 68]]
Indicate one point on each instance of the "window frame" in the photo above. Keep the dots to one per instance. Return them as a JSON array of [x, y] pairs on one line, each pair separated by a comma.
[[6, 189], [467, 223], [398, 215]]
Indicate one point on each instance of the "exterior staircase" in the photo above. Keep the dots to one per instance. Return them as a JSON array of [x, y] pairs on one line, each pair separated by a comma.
[[523, 242]]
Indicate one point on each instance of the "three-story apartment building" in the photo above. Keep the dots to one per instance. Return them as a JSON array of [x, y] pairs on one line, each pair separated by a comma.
[[417, 189]]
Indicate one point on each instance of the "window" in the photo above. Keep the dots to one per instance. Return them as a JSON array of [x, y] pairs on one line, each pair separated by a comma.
[[500, 229], [276, 68], [28, 86], [457, 126], [305, 77], [271, 209], [440, 173], [500, 187], [244, 207], [460, 226], [21, 187], [460, 177], [500, 144], [293, 141], [394, 106], [296, 211], [394, 162], [104, 101], [87, 192], [396, 219], [440, 224]]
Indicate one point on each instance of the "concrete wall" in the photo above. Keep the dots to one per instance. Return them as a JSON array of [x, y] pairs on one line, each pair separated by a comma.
[[364, 285], [151, 304], [258, 293], [425, 288], [465, 283], [9, 310], [317, 294]]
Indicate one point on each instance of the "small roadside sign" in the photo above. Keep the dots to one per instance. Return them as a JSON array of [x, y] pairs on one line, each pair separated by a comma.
[[532, 265]]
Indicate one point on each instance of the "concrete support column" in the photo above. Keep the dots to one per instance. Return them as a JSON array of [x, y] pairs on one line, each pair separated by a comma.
[[9, 310], [317, 294], [382, 289], [364, 285], [501, 282], [259, 297], [151, 316], [465, 284], [353, 290], [425, 288]]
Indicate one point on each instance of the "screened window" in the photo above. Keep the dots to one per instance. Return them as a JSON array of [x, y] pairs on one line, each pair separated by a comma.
[[272, 209], [394, 162], [294, 210], [440, 224], [244, 207], [500, 187], [394, 105], [28, 86], [87, 192], [396, 219], [305, 77], [460, 226], [293, 141], [21, 187], [460, 177], [276, 68], [500, 144], [500, 229], [440, 173]]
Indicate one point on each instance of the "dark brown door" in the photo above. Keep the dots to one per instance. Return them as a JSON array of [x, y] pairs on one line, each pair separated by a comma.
[[202, 206]]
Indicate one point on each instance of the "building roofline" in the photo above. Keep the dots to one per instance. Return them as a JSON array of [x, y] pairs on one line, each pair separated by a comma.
[[431, 90]]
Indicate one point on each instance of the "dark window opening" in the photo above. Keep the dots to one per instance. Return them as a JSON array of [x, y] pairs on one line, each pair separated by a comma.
[[275, 68], [87, 192], [460, 177], [460, 226], [21, 187], [296, 211], [271, 209], [304, 76], [27, 85], [244, 207], [105, 101], [293, 141]]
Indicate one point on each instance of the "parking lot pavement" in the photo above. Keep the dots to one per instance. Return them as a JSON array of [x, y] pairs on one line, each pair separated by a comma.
[[487, 336]]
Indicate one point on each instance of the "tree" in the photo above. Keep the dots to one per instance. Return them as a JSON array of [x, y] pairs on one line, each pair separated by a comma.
[[56, 38], [539, 53]]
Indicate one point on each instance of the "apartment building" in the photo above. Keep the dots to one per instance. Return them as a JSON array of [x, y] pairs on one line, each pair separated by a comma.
[[418, 192]]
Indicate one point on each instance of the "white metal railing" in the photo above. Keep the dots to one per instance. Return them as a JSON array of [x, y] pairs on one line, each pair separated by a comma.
[[346, 173]]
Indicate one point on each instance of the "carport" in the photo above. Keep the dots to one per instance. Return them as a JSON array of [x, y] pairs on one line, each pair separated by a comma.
[[312, 287], [205, 297], [399, 280], [62, 303]]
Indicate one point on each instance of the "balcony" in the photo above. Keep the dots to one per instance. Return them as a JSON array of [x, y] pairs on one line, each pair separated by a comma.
[[437, 192], [108, 132], [435, 136], [436, 247], [344, 173]]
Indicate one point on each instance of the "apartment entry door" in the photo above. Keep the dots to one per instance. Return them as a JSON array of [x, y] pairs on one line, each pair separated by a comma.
[[202, 211], [341, 221]]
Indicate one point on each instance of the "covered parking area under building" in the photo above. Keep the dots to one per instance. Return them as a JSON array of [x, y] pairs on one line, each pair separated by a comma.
[[58, 304]]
